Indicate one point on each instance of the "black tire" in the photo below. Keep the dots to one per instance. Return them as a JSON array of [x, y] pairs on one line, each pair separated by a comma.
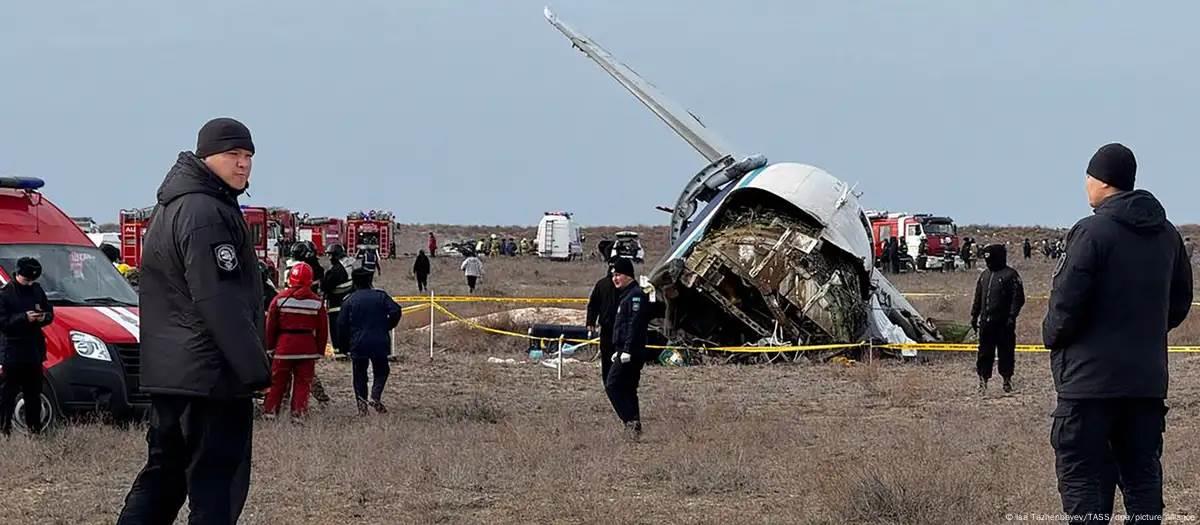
[[51, 411]]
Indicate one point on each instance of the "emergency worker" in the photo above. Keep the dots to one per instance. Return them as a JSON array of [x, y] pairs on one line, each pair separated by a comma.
[[999, 297], [202, 336], [472, 268], [630, 323], [1123, 284], [433, 245], [337, 286], [297, 330], [1027, 248], [368, 259]]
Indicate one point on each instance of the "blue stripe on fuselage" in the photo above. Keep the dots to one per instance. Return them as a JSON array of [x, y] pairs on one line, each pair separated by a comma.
[[698, 227]]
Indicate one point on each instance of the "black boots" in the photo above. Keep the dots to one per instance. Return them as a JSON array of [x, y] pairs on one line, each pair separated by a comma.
[[1008, 388], [983, 385], [633, 431]]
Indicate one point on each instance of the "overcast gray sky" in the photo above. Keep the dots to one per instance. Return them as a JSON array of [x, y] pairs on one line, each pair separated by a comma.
[[480, 112]]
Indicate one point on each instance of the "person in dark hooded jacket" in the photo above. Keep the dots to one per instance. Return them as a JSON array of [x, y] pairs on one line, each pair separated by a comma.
[[601, 313], [365, 326], [999, 297], [1123, 283], [421, 271], [202, 355], [24, 311]]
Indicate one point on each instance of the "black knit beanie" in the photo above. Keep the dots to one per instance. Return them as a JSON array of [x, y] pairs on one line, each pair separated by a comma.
[[223, 134], [623, 266], [1114, 164], [362, 278], [29, 268]]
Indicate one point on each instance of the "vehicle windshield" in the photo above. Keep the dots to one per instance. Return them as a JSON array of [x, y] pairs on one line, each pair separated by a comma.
[[72, 275], [939, 228]]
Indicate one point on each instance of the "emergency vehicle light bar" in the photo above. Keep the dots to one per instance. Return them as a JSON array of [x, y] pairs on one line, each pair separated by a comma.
[[22, 183]]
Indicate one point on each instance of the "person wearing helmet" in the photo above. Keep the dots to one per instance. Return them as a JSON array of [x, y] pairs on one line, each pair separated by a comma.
[[337, 285], [297, 330], [313, 260]]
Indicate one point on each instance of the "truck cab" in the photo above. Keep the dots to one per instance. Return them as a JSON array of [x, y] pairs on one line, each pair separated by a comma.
[[93, 354], [928, 238], [372, 230]]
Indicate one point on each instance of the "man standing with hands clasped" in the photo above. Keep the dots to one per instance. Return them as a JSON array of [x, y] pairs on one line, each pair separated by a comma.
[[1124, 282], [202, 336]]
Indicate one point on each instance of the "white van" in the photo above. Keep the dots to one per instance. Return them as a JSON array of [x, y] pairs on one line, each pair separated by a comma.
[[558, 237]]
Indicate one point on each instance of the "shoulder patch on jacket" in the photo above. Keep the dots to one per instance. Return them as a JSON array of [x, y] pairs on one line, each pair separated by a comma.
[[225, 257]]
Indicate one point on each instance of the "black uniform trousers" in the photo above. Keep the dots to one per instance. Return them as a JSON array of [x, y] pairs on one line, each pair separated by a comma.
[[333, 330], [622, 386], [25, 379], [380, 370], [199, 449], [606, 352], [1099, 443], [422, 282], [996, 337]]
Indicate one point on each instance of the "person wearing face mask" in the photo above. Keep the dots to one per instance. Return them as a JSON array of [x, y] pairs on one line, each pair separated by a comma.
[[24, 310], [999, 297]]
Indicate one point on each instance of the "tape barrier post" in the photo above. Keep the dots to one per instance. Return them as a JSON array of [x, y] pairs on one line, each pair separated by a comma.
[[431, 311], [560, 355]]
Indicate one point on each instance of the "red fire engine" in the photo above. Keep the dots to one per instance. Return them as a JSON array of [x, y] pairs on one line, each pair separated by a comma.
[[321, 231], [133, 229], [134, 223], [374, 229], [281, 233], [927, 236]]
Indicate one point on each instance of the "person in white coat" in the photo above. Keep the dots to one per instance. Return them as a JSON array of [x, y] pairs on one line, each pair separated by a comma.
[[472, 267]]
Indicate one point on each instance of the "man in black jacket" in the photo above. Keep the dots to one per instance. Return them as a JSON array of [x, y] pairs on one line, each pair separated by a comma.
[[601, 310], [999, 297], [24, 310], [336, 285], [630, 323], [1124, 282], [202, 336], [421, 271]]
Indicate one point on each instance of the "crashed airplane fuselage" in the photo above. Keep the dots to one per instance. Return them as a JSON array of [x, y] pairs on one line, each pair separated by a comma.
[[764, 253]]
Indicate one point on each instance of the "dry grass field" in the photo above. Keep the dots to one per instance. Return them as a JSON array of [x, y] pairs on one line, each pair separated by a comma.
[[469, 441]]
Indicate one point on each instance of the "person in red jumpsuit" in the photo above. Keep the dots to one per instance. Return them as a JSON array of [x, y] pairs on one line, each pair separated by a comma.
[[297, 330]]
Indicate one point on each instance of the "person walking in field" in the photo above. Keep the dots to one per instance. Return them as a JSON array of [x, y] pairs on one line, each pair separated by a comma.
[[472, 268], [365, 326], [421, 268]]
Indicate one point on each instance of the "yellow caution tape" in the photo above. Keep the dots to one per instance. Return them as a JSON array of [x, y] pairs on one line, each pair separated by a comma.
[[414, 308], [584, 300], [474, 299], [951, 347], [931, 347]]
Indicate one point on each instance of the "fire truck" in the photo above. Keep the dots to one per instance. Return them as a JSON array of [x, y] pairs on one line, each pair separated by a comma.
[[373, 229], [281, 233], [134, 223], [133, 229], [928, 237], [321, 231]]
